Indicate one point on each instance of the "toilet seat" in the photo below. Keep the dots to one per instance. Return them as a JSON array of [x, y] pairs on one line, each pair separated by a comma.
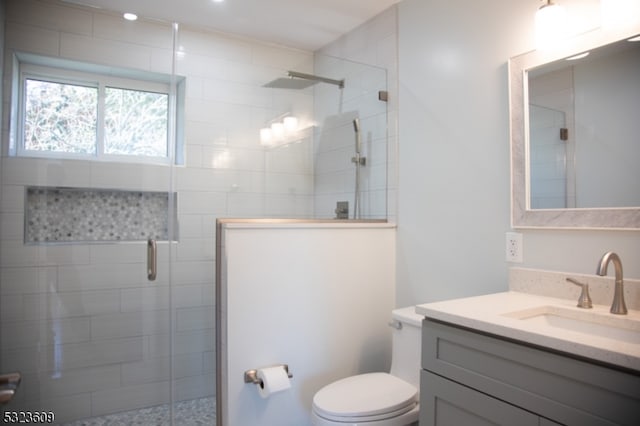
[[365, 398]]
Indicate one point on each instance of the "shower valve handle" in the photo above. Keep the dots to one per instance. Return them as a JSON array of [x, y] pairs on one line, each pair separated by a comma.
[[359, 160]]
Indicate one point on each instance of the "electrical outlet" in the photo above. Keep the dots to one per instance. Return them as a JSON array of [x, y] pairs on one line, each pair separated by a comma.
[[514, 247]]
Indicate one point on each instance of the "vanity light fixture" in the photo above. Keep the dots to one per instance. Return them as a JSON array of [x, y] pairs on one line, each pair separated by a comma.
[[618, 14], [279, 131], [266, 136], [290, 123], [130, 16], [580, 56], [551, 26]]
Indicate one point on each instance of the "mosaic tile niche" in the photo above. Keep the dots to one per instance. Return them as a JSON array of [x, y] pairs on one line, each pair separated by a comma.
[[55, 215]]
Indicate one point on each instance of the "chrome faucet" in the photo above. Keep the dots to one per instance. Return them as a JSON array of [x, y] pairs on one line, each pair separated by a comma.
[[618, 306]]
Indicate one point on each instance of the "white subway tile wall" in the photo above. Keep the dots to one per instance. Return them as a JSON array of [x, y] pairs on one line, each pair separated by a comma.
[[89, 332]]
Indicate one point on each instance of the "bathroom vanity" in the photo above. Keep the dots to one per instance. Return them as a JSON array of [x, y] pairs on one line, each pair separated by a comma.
[[515, 358]]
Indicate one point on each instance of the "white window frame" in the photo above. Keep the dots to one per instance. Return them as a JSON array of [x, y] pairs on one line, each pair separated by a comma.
[[99, 81]]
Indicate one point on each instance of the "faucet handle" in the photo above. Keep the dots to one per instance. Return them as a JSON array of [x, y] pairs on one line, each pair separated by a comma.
[[584, 301]]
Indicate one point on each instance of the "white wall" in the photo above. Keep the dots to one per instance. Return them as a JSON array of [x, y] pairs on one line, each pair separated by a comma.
[[315, 297], [607, 151], [454, 156]]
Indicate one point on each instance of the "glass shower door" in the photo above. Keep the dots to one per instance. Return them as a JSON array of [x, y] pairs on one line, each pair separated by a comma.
[[90, 333]]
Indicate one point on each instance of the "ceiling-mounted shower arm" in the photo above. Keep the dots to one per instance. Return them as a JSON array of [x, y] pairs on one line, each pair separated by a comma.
[[296, 74]]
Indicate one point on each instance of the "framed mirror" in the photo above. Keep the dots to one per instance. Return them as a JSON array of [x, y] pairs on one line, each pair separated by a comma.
[[575, 134]]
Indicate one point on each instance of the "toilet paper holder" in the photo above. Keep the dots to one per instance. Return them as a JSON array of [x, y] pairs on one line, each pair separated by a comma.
[[251, 376]]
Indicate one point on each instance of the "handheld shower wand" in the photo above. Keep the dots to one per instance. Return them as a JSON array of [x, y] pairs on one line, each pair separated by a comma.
[[356, 128], [359, 161]]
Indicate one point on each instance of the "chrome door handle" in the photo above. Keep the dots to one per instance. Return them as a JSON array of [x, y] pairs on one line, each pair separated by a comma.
[[152, 259]]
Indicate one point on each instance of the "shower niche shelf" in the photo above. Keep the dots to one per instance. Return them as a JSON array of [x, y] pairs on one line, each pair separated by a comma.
[[70, 215]]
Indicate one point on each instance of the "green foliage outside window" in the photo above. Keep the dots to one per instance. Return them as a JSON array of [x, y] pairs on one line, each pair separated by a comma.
[[135, 122], [64, 118], [60, 117]]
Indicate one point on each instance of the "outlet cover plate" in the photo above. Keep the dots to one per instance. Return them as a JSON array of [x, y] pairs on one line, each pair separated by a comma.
[[514, 247]]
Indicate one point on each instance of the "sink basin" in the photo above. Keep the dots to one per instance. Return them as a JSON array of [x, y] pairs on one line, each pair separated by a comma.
[[585, 322]]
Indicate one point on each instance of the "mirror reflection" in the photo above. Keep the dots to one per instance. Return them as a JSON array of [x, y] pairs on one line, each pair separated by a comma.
[[584, 129]]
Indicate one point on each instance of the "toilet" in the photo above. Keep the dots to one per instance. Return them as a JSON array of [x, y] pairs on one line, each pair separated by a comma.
[[378, 399]]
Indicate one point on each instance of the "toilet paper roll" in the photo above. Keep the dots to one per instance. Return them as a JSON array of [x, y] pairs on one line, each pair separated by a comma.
[[272, 380]]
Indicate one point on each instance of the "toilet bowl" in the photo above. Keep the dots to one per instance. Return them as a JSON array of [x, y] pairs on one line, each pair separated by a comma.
[[378, 399]]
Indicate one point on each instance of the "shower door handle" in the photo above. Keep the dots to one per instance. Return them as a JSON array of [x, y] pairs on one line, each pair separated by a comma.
[[152, 259]]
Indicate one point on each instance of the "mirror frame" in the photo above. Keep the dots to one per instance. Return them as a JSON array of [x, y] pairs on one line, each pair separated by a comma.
[[626, 218]]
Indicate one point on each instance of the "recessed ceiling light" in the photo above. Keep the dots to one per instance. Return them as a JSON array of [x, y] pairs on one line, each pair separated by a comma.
[[217, 1], [580, 56], [130, 16]]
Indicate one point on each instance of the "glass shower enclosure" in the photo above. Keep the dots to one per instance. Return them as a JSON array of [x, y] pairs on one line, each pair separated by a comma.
[[88, 311]]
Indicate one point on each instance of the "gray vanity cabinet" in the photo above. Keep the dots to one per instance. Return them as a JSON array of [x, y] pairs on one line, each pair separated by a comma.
[[470, 378]]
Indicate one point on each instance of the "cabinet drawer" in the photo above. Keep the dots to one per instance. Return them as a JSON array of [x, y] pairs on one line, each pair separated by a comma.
[[567, 390], [446, 403]]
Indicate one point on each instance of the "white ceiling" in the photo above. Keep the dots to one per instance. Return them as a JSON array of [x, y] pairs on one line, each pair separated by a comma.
[[304, 24]]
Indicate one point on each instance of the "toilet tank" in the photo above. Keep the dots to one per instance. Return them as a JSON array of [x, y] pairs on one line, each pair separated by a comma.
[[405, 361]]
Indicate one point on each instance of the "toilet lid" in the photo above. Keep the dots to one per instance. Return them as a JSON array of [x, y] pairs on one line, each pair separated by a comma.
[[373, 395]]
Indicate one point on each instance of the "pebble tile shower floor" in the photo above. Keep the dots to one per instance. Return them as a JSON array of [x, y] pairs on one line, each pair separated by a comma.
[[195, 412]]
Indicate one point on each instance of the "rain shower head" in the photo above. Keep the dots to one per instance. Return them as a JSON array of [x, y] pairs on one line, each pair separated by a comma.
[[289, 83], [297, 80]]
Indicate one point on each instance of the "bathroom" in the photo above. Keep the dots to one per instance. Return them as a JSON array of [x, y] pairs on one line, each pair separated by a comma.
[[446, 184]]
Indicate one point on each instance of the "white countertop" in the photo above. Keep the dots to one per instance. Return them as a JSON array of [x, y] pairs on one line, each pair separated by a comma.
[[487, 314]]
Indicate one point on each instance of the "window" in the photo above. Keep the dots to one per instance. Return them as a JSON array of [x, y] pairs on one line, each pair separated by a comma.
[[135, 122], [60, 117], [67, 113]]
